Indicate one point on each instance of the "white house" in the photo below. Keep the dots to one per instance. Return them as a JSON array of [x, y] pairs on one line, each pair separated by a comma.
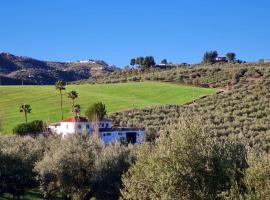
[[106, 131], [221, 59]]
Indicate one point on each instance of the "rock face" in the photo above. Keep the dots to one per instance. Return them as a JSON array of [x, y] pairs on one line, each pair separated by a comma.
[[17, 70]]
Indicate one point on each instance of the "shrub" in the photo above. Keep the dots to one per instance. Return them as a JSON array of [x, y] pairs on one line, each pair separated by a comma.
[[33, 127]]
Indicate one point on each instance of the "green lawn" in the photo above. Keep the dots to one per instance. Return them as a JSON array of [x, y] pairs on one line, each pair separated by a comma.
[[45, 102]]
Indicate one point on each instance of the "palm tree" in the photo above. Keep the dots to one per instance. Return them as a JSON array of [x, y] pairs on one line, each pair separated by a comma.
[[60, 85], [73, 95], [25, 108]]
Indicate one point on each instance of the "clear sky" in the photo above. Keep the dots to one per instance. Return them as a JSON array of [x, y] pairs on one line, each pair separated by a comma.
[[117, 30]]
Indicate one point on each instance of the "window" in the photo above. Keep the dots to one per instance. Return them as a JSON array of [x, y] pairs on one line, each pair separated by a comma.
[[107, 125], [79, 126], [87, 126], [120, 133], [106, 134]]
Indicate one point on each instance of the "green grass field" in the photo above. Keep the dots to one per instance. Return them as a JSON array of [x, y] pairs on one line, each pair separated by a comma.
[[45, 100]]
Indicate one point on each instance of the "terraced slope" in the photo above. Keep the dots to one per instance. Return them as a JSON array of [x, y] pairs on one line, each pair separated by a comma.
[[242, 113]]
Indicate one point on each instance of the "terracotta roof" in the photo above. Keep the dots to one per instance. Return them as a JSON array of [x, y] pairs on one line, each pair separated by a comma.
[[75, 119]]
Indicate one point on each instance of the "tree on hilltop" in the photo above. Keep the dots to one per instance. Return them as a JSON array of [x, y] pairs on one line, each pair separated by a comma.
[[210, 57], [164, 62], [139, 60], [148, 62], [145, 62], [230, 56], [132, 61]]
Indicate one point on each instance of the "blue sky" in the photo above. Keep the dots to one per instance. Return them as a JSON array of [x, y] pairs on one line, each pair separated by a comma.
[[178, 30]]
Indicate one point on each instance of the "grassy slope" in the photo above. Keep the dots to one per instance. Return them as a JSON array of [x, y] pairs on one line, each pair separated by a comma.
[[44, 100]]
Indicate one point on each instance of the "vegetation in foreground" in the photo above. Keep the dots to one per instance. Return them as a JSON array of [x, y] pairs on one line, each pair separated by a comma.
[[187, 162], [45, 100]]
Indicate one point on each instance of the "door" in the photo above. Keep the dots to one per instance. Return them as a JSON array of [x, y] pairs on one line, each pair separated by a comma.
[[131, 137]]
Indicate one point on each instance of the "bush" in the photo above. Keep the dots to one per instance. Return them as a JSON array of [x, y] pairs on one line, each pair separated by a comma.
[[33, 127]]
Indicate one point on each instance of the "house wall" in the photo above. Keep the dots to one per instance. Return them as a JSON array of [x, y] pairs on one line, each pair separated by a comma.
[[111, 136], [69, 128]]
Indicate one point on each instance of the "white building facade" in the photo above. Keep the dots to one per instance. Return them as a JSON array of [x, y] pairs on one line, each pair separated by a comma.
[[107, 133]]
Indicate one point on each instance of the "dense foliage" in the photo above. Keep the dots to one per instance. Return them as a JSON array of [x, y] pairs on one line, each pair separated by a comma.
[[81, 167], [78, 167], [188, 163], [96, 110], [30, 128], [17, 159]]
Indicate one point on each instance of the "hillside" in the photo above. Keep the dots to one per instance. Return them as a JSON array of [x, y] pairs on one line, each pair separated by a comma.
[[44, 100], [218, 75], [241, 111], [15, 69]]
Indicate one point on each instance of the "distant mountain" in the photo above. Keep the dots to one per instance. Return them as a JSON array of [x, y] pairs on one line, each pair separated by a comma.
[[18, 69]]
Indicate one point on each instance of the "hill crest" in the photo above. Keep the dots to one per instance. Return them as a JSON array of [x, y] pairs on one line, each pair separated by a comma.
[[34, 71]]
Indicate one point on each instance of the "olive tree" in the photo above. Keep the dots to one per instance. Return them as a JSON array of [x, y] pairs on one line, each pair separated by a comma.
[[68, 166], [17, 158], [111, 164], [186, 163], [82, 167], [257, 178]]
